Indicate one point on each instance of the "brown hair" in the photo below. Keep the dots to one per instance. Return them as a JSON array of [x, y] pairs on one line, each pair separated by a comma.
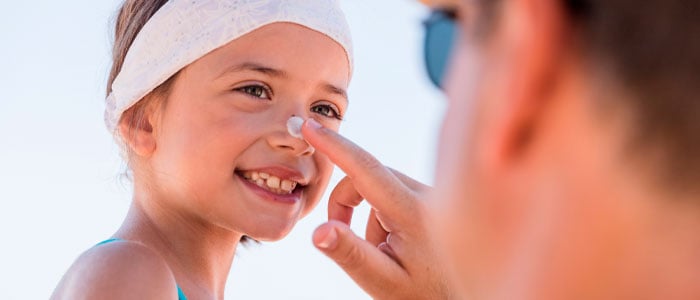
[[132, 16], [652, 48]]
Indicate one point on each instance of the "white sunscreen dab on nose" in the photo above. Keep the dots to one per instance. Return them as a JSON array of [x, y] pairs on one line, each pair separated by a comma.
[[294, 126]]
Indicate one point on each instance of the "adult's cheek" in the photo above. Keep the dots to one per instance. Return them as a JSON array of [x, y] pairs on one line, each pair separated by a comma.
[[450, 200]]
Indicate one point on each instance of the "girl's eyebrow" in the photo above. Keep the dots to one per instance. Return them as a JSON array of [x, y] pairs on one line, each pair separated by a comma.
[[335, 90], [256, 67]]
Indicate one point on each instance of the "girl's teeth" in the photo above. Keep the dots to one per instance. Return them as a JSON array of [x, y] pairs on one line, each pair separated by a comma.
[[273, 182], [287, 185]]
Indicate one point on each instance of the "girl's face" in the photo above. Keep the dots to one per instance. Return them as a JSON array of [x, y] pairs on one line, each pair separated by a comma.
[[223, 155]]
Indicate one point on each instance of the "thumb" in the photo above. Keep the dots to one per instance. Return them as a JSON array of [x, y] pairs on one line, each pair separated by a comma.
[[374, 271]]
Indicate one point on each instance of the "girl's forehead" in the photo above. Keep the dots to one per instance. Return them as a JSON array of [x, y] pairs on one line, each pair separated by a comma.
[[281, 49]]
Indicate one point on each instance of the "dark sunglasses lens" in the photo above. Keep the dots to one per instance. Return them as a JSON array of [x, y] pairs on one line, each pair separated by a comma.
[[439, 39]]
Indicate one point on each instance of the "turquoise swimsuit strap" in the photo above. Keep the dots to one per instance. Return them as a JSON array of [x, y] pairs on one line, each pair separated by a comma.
[[107, 241], [180, 293]]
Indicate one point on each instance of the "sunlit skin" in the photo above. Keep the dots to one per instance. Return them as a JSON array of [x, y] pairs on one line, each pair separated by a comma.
[[539, 195], [226, 113]]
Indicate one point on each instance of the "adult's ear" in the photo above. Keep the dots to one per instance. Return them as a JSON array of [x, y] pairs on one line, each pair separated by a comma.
[[136, 129], [530, 42]]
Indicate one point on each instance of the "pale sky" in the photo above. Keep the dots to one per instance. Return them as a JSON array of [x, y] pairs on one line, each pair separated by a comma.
[[60, 185]]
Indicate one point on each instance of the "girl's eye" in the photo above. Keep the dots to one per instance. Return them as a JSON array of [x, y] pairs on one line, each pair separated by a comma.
[[327, 110], [257, 91]]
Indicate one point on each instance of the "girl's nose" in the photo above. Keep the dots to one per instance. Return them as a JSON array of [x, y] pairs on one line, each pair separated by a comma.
[[281, 139]]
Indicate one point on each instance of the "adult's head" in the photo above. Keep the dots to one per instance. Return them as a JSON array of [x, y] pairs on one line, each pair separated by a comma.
[[568, 162]]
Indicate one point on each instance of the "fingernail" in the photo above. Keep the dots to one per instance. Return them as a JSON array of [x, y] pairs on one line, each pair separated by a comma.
[[313, 123], [329, 240]]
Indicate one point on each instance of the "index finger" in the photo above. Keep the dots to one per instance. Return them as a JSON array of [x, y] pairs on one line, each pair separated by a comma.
[[376, 183]]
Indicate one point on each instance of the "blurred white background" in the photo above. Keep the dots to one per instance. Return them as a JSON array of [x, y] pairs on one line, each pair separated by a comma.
[[60, 185]]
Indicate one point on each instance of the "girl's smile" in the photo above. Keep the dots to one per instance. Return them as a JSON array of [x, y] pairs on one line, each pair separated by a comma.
[[275, 183]]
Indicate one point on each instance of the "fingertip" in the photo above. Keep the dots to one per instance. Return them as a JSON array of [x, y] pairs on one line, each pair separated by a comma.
[[310, 129], [325, 237], [312, 124]]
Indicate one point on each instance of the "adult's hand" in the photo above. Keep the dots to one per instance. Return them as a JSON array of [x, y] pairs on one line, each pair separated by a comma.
[[396, 259]]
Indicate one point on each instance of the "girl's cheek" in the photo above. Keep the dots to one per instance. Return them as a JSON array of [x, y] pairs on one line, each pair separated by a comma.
[[324, 169], [325, 166]]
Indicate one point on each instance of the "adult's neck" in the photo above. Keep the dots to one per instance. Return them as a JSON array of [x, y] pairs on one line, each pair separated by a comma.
[[199, 253]]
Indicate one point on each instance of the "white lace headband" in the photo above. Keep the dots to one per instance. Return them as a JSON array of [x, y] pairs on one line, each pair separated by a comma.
[[182, 31]]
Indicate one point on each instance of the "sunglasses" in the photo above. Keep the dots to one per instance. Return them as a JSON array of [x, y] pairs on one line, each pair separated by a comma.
[[440, 34]]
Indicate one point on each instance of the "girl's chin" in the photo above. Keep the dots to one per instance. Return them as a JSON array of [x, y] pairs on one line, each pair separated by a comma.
[[269, 237], [267, 232]]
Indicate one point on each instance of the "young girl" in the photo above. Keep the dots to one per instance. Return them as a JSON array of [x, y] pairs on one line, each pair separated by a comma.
[[199, 95]]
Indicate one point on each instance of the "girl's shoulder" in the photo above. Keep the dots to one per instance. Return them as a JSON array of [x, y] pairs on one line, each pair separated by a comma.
[[118, 270]]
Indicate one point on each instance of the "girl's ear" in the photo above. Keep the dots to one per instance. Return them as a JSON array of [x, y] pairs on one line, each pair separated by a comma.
[[136, 129]]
